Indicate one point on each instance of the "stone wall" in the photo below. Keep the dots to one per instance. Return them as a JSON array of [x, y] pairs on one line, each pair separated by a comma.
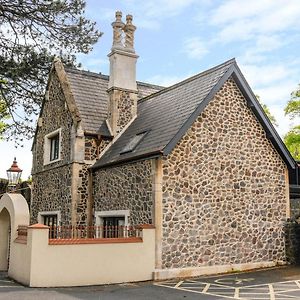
[[224, 190], [94, 147], [292, 242], [122, 109], [25, 191], [52, 191], [52, 182], [126, 107], [295, 207], [83, 195], [125, 187], [55, 115]]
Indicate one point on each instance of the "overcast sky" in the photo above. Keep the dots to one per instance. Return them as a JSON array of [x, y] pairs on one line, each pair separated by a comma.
[[178, 38]]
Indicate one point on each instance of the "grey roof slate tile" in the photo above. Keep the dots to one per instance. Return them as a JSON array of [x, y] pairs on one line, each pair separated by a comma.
[[104, 130], [163, 114], [90, 93]]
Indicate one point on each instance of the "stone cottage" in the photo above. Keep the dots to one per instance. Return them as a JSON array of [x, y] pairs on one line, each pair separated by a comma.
[[200, 160]]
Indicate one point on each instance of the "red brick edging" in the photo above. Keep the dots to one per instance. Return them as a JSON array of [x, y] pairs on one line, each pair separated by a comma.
[[95, 241]]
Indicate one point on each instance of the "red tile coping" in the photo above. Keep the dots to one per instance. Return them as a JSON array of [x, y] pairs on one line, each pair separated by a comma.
[[146, 226], [95, 241], [38, 226]]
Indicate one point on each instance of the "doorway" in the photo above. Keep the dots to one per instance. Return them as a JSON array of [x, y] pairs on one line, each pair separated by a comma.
[[4, 239]]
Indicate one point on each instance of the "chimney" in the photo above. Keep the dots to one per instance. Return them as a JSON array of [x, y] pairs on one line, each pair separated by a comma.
[[122, 87]]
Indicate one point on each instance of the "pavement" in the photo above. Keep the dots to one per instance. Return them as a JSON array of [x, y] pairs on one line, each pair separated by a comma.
[[273, 284]]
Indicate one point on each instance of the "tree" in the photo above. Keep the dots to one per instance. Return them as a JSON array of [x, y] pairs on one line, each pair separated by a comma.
[[32, 32], [267, 111], [292, 141], [292, 138], [293, 106], [3, 114]]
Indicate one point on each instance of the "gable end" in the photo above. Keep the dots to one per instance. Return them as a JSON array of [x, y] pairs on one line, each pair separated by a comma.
[[60, 71], [252, 103]]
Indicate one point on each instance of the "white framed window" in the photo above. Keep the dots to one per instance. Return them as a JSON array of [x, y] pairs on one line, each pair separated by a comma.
[[112, 223], [49, 218], [52, 147]]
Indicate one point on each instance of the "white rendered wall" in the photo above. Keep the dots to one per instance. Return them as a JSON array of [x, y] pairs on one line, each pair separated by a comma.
[[39, 264]]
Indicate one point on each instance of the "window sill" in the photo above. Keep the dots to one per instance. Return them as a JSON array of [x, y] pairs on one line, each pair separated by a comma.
[[52, 162]]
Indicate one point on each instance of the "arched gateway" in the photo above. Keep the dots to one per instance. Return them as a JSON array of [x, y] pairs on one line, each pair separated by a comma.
[[13, 212]]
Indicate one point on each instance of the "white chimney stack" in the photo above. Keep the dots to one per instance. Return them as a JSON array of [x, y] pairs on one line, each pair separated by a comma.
[[122, 87], [122, 56]]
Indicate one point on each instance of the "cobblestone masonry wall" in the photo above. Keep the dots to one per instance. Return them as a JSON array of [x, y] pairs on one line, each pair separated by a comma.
[[125, 187], [223, 190], [295, 207], [52, 191], [126, 105], [122, 108], [94, 146], [55, 116], [81, 206], [292, 241]]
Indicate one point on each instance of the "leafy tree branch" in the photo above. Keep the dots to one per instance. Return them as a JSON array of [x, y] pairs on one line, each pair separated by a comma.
[[32, 32], [293, 106], [267, 111]]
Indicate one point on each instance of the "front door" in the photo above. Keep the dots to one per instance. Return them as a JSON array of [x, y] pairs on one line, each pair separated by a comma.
[[113, 227]]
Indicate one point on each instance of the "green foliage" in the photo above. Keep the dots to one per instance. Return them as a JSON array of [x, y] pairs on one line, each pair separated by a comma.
[[292, 141], [4, 114], [3, 185], [292, 138], [32, 33], [267, 112], [269, 115], [293, 106]]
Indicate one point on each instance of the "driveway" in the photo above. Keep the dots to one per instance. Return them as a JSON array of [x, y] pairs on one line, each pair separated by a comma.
[[272, 284]]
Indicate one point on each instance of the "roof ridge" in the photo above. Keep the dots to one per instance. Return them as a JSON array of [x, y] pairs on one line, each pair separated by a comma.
[[85, 72], [189, 79], [150, 84], [106, 77]]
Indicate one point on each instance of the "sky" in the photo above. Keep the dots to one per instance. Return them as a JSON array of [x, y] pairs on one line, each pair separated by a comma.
[[179, 38]]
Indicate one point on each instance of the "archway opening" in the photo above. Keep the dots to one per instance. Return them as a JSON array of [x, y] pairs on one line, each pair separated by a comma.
[[4, 239]]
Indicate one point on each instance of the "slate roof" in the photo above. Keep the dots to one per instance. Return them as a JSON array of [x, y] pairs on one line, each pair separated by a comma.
[[163, 114], [167, 114], [90, 94]]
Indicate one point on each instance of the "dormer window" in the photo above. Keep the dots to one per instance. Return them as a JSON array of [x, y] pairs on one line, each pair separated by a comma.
[[134, 142], [52, 145]]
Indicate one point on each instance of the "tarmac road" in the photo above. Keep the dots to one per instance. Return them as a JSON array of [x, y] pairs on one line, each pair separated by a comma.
[[274, 284]]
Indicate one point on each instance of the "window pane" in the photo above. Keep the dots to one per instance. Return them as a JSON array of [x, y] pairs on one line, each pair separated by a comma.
[[54, 147]]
